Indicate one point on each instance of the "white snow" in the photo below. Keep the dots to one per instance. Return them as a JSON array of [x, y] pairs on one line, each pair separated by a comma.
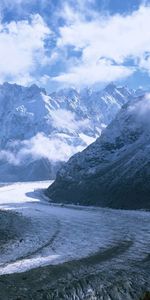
[[87, 139], [8, 192]]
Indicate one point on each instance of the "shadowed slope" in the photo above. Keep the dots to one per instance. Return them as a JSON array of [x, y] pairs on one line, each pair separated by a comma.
[[115, 170]]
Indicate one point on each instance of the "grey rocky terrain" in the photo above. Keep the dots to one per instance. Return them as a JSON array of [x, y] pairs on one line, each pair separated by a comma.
[[114, 171]]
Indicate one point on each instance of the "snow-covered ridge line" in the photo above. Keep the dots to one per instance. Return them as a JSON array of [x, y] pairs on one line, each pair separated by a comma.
[[39, 131]]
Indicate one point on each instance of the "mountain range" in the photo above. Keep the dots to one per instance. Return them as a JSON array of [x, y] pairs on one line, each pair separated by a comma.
[[40, 131]]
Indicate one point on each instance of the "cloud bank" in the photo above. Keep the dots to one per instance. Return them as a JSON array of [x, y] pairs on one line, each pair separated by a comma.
[[63, 119], [72, 43], [22, 48], [141, 110], [40, 146], [111, 47]]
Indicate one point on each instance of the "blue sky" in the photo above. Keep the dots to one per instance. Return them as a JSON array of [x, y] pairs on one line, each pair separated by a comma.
[[80, 43]]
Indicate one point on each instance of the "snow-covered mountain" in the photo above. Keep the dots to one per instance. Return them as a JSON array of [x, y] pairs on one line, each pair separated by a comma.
[[44, 130], [115, 170]]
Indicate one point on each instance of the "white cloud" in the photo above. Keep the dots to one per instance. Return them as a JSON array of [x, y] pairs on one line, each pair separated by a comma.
[[141, 109], [8, 156], [54, 148], [22, 48], [64, 119], [114, 37], [79, 10], [91, 73], [144, 63], [102, 40]]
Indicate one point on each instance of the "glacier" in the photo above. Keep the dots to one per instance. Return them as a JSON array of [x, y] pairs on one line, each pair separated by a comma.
[[70, 252]]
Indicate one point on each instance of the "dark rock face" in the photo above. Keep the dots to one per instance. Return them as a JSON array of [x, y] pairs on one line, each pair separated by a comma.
[[115, 170], [146, 296]]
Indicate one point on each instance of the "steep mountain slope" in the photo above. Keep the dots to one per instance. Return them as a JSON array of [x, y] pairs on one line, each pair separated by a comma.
[[40, 129], [115, 170]]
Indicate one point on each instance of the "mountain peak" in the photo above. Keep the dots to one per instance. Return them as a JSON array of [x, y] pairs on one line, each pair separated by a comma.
[[8, 85], [110, 87]]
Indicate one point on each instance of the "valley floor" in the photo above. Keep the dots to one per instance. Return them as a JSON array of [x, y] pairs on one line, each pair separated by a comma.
[[75, 246]]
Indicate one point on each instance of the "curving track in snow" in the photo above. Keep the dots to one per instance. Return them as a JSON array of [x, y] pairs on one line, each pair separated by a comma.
[[52, 234]]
